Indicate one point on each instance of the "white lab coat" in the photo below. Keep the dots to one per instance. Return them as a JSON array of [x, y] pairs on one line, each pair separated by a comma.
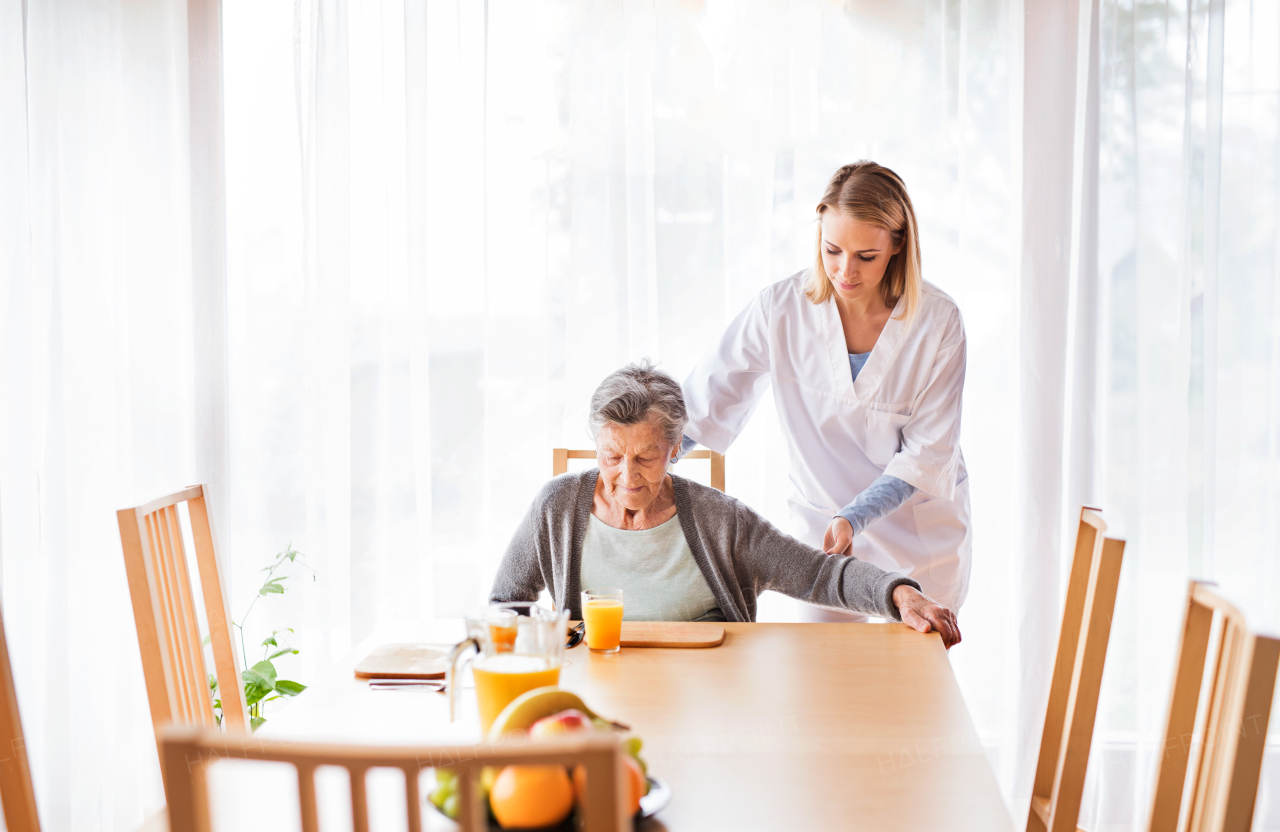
[[901, 417]]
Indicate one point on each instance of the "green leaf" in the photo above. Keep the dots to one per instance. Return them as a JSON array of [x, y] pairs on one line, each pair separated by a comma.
[[289, 688], [266, 670], [204, 642], [253, 694], [271, 639], [281, 652], [275, 586], [259, 681], [213, 683], [256, 722]]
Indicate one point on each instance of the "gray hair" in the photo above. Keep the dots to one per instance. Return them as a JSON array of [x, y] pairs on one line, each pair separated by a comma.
[[639, 392]]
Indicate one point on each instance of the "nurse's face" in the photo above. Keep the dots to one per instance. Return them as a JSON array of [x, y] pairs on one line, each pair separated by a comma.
[[855, 254], [633, 463]]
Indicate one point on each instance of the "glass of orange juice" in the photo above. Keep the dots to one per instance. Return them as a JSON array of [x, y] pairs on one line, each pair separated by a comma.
[[602, 612], [503, 631], [518, 647]]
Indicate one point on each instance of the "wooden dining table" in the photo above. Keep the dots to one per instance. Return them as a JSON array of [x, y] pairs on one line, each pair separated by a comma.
[[782, 727]]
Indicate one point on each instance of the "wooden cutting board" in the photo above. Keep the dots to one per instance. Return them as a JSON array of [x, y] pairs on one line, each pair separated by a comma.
[[671, 634], [406, 661]]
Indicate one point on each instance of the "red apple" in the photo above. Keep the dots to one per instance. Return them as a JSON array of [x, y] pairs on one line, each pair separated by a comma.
[[565, 722]]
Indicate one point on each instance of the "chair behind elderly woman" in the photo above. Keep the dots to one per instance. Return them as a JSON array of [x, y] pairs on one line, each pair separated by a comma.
[[560, 463]]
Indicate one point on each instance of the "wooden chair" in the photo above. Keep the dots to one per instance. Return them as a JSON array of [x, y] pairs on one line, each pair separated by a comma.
[[560, 462], [165, 614], [1225, 763], [189, 751], [17, 795], [1077, 678]]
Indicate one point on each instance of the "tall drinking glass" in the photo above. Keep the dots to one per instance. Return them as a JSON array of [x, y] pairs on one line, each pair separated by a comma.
[[518, 647], [602, 613]]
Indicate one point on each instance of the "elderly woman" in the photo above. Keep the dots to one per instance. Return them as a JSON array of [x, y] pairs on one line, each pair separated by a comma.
[[680, 551]]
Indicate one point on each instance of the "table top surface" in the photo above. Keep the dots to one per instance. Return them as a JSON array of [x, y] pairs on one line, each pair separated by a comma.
[[784, 726]]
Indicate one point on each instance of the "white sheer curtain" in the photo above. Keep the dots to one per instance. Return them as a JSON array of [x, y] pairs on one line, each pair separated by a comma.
[[489, 212], [446, 221], [96, 360], [1185, 394]]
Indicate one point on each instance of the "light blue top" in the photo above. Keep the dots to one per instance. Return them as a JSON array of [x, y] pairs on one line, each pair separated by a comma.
[[858, 360]]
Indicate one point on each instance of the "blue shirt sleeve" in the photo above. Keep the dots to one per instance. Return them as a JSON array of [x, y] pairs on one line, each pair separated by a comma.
[[882, 497]]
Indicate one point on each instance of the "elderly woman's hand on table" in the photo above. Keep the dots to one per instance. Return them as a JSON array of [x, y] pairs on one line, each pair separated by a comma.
[[924, 614]]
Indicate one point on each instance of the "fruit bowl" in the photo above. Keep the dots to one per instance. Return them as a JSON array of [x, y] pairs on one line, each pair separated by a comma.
[[652, 803], [526, 796]]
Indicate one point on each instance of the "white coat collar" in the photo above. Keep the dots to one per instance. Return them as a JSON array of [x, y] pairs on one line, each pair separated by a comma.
[[882, 354]]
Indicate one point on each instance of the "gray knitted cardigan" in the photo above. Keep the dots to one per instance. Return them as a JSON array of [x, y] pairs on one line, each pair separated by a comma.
[[739, 552]]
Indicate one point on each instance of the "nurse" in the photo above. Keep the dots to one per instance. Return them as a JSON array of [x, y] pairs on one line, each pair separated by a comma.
[[867, 364]]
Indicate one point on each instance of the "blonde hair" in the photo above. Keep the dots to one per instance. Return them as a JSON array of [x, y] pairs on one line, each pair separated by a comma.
[[872, 193]]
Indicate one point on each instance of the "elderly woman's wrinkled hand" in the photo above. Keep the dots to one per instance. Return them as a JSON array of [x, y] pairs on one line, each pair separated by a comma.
[[924, 614]]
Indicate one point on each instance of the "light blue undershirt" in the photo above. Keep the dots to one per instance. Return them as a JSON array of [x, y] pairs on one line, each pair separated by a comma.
[[858, 360], [655, 569]]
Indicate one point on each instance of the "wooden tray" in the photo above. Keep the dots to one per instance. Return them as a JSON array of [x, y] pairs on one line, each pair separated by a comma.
[[671, 634], [406, 661]]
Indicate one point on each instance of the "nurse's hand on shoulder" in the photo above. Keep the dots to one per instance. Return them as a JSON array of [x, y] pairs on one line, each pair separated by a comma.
[[838, 539], [924, 614]]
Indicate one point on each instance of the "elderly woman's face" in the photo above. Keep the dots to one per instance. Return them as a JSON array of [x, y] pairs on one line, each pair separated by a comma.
[[633, 462]]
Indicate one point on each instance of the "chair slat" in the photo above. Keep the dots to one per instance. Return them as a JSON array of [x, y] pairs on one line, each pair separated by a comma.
[[1259, 680], [189, 626], [307, 797], [412, 798], [1204, 783], [471, 815], [145, 601], [167, 618], [178, 617], [1171, 772], [17, 794], [359, 798], [217, 611], [173, 595]]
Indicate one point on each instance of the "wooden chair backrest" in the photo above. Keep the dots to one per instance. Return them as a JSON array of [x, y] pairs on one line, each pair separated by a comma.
[[1077, 678], [560, 462], [17, 795], [188, 753], [165, 614], [1225, 764]]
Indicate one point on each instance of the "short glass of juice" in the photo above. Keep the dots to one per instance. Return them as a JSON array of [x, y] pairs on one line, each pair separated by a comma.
[[602, 612]]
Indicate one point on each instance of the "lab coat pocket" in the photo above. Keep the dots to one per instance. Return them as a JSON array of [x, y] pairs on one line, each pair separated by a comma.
[[944, 534], [884, 435]]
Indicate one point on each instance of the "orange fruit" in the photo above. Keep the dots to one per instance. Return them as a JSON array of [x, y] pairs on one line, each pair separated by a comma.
[[527, 797], [635, 779]]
